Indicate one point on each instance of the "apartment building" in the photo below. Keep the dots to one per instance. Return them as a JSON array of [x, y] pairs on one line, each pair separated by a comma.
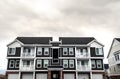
[[114, 59], [45, 58]]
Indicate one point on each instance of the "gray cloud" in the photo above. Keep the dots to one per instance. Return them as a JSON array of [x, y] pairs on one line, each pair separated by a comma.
[[98, 18]]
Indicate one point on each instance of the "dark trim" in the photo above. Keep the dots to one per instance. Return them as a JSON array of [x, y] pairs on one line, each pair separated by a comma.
[[96, 64]]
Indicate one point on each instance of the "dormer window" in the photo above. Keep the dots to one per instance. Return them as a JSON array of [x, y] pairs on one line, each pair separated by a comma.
[[11, 51], [65, 51], [71, 51]]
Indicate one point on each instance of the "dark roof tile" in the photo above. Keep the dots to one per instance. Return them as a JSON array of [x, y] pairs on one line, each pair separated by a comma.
[[34, 40], [76, 40]]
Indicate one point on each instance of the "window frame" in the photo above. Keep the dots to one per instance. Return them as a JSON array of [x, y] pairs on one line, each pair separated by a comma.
[[12, 63], [99, 51], [72, 51], [39, 50], [99, 63], [94, 63], [17, 63], [45, 63], [66, 50], [73, 62], [65, 62], [12, 52], [47, 51], [39, 63]]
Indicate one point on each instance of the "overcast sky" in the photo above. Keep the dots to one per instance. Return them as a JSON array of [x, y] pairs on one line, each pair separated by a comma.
[[92, 18]]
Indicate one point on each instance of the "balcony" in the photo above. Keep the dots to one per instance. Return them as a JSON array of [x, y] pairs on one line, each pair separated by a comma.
[[27, 68], [26, 54], [84, 55], [83, 68]]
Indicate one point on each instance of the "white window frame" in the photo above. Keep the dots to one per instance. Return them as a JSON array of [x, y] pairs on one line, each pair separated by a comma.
[[39, 61], [71, 62], [39, 49], [46, 50], [93, 63], [71, 50], [11, 63], [65, 62], [99, 62], [45, 62], [65, 50], [17, 63], [99, 51], [13, 50]]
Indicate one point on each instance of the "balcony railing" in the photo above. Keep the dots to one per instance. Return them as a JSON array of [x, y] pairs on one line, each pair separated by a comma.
[[26, 54], [27, 68], [85, 55], [83, 68]]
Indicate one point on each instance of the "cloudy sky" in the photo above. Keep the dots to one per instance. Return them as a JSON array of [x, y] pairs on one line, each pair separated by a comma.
[[92, 18]]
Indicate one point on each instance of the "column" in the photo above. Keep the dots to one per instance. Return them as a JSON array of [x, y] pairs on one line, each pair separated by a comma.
[[49, 74], [33, 74], [91, 75], [61, 74], [76, 75]]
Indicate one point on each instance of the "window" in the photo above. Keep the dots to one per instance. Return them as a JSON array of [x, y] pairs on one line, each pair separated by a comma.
[[39, 63], [11, 51], [27, 50], [71, 52], [84, 62], [17, 63], [39, 51], [99, 51], [46, 51], [26, 63], [65, 51], [93, 64], [11, 64], [117, 58], [45, 63], [71, 63], [65, 63], [99, 64]]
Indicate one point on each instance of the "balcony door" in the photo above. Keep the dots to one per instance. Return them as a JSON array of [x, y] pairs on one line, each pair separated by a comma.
[[55, 55]]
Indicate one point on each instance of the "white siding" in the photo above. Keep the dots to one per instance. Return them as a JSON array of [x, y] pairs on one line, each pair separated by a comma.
[[41, 76], [13, 76], [69, 76], [83, 76], [97, 76], [27, 76], [15, 44], [95, 44]]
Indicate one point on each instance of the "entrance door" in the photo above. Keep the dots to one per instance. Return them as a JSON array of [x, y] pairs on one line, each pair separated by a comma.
[[55, 75]]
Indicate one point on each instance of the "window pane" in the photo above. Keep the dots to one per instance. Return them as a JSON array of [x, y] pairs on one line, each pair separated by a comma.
[[93, 64], [11, 51], [46, 51], [17, 63], [71, 63], [45, 63], [65, 51], [65, 63], [99, 64], [39, 51], [39, 63], [99, 51], [11, 65], [71, 52]]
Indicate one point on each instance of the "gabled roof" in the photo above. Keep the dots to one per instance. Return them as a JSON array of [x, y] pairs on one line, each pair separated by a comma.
[[34, 40], [118, 39], [76, 40]]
